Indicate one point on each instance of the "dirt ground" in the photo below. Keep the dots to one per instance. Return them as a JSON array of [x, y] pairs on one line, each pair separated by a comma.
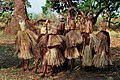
[[8, 61]]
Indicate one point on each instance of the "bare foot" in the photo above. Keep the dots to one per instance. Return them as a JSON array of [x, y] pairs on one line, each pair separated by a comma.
[[40, 70], [27, 70], [43, 75], [34, 70], [49, 74], [23, 71]]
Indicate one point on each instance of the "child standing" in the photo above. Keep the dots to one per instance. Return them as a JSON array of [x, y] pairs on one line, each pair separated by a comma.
[[25, 40], [53, 57]]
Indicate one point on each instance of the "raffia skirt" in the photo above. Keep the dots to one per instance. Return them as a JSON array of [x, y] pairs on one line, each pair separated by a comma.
[[25, 41], [87, 56], [71, 53], [102, 57], [53, 57], [54, 40], [25, 55], [73, 38], [100, 60]]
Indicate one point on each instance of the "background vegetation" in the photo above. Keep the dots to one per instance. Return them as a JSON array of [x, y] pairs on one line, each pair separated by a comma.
[[109, 10]]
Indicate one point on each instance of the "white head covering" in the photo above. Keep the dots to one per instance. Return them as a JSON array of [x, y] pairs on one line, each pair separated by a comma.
[[43, 30], [22, 24]]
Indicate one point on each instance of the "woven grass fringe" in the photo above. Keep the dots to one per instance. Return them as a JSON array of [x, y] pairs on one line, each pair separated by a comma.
[[87, 56], [102, 57], [100, 60], [53, 57], [54, 40], [71, 53], [73, 38], [87, 51], [25, 40]]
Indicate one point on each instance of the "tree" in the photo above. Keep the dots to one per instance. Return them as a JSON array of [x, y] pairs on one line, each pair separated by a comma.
[[14, 8], [96, 7], [112, 13], [7, 6]]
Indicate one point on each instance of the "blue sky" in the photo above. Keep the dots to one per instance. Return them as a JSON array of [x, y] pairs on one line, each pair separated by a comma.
[[36, 6]]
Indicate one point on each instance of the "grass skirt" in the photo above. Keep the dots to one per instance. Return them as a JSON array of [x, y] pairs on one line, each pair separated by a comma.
[[54, 40], [87, 51], [71, 53], [73, 38], [102, 56], [87, 56], [53, 57], [25, 40], [100, 59], [43, 41]]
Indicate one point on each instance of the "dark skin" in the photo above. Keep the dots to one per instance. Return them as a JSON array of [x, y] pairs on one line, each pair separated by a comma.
[[23, 66], [45, 66], [38, 61], [80, 47], [45, 70]]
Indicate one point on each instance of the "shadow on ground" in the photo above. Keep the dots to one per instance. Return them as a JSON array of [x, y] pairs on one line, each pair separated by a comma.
[[8, 59]]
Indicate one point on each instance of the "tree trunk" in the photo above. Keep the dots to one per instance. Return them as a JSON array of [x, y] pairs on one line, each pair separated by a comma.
[[20, 10]]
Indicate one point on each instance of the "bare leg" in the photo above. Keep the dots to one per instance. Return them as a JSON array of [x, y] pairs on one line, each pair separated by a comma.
[[72, 63], [44, 70], [23, 65], [65, 65], [80, 48], [27, 62], [51, 72], [36, 66], [80, 61]]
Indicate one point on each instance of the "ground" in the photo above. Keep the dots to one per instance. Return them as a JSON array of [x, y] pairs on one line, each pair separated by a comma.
[[8, 61]]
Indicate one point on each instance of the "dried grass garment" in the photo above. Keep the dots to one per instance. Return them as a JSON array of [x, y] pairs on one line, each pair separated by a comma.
[[43, 41], [25, 40], [72, 53], [73, 39], [54, 40], [102, 56], [42, 44], [53, 56], [87, 51]]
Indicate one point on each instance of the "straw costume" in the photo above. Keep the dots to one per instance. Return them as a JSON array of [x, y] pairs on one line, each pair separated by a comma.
[[25, 42], [89, 43], [88, 48], [102, 56], [73, 39], [42, 46], [53, 56]]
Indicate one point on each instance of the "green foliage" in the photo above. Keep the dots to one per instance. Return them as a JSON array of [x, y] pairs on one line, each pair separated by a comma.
[[27, 3], [95, 27], [7, 6], [44, 9], [96, 7], [30, 15], [115, 26]]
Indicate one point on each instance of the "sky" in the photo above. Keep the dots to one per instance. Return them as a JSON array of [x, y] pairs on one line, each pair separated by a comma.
[[36, 6]]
